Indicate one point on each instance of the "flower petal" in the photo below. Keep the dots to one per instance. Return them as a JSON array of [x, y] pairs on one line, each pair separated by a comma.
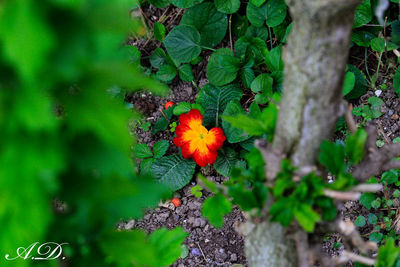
[[202, 159], [215, 139], [192, 119]]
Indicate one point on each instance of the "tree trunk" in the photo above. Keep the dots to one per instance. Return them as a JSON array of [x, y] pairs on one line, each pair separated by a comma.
[[315, 60]]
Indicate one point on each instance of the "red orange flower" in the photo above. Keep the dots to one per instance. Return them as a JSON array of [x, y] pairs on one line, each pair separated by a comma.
[[196, 141]]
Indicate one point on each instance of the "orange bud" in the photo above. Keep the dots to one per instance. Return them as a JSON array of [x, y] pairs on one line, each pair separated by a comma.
[[176, 201], [169, 104]]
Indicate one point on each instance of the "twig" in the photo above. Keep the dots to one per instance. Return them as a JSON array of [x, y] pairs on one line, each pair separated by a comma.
[[344, 196], [347, 256], [377, 160], [368, 188], [348, 115], [303, 252], [202, 253], [383, 132], [349, 231]]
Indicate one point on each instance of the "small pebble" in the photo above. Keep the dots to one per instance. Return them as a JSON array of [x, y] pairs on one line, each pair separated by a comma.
[[378, 93], [233, 257], [390, 113], [196, 252]]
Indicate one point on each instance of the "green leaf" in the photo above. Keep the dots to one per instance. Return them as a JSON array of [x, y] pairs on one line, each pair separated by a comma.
[[159, 31], [372, 218], [134, 241], [349, 82], [387, 254], [233, 135], [159, 3], [355, 146], [363, 14], [173, 171], [227, 6], [215, 208], [396, 82], [182, 43], [396, 32], [145, 166], [390, 177], [276, 12], [360, 221], [362, 38], [240, 24], [197, 191], [142, 151], [222, 67], [214, 101], [306, 217], [376, 237], [282, 211], [166, 73], [273, 12], [243, 197], [273, 59], [26, 37], [160, 125], [185, 3], [167, 244], [376, 104], [186, 73], [263, 85], [379, 45], [250, 49], [257, 32], [247, 76], [264, 124], [183, 107], [360, 86], [366, 199], [160, 148], [332, 157], [162, 242], [157, 59], [257, 3], [226, 160], [210, 23]]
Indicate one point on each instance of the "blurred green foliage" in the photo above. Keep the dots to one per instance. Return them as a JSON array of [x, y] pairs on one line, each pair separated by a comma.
[[63, 138]]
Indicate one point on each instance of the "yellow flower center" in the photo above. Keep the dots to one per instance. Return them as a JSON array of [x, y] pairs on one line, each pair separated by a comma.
[[199, 137]]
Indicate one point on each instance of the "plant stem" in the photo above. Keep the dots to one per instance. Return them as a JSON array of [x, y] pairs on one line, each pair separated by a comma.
[[230, 31], [208, 48], [366, 63], [270, 36]]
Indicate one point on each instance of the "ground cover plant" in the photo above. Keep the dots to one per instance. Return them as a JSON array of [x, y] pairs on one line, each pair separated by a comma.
[[277, 83]]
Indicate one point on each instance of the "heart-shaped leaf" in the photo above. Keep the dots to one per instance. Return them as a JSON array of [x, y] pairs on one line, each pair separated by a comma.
[[210, 23], [227, 6], [222, 67], [182, 43]]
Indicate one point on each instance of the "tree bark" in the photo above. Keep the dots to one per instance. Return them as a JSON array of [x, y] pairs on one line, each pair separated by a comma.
[[315, 60]]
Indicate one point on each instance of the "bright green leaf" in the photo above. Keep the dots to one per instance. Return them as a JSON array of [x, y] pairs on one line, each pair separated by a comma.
[[215, 208]]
